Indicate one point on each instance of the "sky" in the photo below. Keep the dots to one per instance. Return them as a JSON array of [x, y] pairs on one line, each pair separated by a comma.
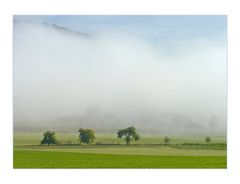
[[157, 69], [151, 27]]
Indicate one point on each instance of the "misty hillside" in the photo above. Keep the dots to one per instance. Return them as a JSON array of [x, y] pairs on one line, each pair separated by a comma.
[[59, 75], [167, 124]]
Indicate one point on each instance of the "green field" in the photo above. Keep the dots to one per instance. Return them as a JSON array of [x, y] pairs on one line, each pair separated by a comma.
[[110, 152]]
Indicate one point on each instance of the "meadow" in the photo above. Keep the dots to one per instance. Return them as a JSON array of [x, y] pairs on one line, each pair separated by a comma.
[[111, 152]]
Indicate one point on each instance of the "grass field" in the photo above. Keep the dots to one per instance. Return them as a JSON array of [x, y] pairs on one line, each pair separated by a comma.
[[53, 159], [64, 138], [110, 152]]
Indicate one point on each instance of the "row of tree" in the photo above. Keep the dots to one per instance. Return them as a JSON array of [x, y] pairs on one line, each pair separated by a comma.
[[87, 136], [167, 139]]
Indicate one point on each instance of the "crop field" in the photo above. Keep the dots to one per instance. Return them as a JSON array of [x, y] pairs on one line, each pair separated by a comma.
[[110, 152]]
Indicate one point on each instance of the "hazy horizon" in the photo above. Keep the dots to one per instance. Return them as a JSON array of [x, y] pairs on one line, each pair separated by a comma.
[[163, 74]]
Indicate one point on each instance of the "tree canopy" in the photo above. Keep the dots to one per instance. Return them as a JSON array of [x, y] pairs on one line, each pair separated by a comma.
[[49, 138], [129, 134], [207, 139], [86, 136], [166, 140]]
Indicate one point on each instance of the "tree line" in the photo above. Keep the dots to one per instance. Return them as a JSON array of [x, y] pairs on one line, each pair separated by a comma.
[[87, 136]]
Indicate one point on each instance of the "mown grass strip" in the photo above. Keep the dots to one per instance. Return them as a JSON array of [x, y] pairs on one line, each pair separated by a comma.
[[50, 159]]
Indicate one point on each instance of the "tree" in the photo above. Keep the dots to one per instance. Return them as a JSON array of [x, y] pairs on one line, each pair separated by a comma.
[[208, 139], [129, 134], [49, 138], [166, 140], [86, 136]]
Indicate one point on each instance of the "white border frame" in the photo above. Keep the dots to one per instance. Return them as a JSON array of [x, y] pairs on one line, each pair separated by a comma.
[[121, 7]]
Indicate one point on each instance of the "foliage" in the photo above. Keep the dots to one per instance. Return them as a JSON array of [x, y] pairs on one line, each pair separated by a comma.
[[49, 138], [208, 139], [86, 136], [129, 134], [166, 140]]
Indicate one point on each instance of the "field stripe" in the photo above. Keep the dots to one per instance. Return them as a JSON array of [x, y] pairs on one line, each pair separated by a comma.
[[51, 159]]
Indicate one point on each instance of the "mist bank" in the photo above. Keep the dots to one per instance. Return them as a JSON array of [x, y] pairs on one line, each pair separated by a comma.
[[65, 79], [162, 124]]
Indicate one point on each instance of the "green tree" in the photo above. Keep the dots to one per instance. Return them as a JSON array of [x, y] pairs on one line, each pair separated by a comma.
[[49, 138], [86, 136], [129, 134], [208, 139], [166, 140]]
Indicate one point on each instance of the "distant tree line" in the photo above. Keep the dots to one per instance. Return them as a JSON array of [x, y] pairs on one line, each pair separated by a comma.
[[87, 136]]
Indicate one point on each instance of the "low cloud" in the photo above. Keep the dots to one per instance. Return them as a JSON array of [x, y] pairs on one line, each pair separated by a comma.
[[112, 79]]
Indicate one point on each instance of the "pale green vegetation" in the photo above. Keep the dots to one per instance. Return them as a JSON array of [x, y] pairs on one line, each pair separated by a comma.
[[73, 138], [108, 151], [129, 150]]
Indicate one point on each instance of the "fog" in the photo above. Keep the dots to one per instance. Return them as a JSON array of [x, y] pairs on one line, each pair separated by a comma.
[[64, 79]]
